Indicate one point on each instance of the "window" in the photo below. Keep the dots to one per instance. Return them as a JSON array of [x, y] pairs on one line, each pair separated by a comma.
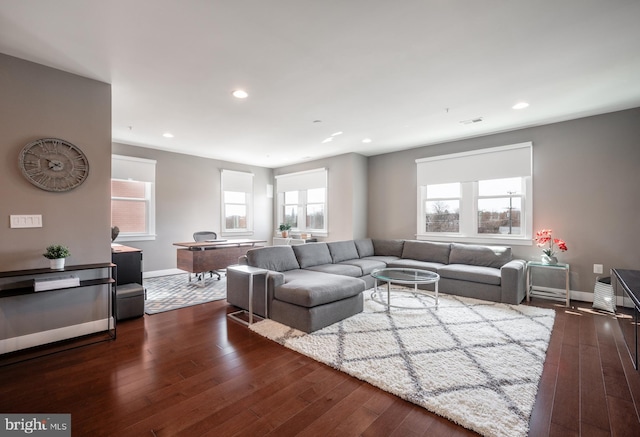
[[302, 201], [480, 196], [237, 204], [442, 206], [133, 197], [499, 206]]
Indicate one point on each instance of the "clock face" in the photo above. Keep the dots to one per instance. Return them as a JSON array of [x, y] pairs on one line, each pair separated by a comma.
[[53, 164]]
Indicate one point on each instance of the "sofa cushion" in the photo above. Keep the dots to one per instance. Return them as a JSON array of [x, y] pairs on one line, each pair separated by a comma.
[[309, 289], [343, 250], [366, 265], [278, 258], [365, 247], [382, 259], [312, 254], [476, 255], [427, 251], [462, 272], [388, 247], [338, 269], [415, 264]]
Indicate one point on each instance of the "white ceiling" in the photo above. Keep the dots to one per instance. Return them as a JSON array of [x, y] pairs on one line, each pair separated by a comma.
[[402, 73]]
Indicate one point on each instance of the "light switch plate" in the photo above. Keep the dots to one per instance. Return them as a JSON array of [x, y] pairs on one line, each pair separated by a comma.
[[26, 221]]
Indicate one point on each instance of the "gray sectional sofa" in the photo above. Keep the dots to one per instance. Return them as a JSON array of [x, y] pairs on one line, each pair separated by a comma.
[[314, 285]]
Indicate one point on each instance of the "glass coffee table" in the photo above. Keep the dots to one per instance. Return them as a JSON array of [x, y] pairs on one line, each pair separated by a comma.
[[404, 276]]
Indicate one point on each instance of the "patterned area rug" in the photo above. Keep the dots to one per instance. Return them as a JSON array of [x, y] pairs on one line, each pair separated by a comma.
[[474, 362], [166, 293]]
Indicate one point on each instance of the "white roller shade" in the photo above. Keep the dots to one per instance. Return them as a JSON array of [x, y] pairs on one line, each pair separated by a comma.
[[137, 169], [237, 181], [494, 163], [304, 180]]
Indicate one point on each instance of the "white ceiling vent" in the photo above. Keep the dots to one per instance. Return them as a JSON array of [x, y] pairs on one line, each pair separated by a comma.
[[472, 121]]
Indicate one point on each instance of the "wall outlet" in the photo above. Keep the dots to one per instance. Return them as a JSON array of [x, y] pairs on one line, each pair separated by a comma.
[[26, 221], [597, 268]]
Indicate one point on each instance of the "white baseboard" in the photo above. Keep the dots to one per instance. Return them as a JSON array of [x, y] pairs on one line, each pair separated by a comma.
[[584, 296], [156, 273], [44, 337]]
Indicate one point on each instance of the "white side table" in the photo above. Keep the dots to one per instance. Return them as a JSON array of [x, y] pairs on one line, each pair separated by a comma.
[[548, 293], [252, 272]]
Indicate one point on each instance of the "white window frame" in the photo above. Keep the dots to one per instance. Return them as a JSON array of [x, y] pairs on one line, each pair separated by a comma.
[[239, 182], [129, 168], [301, 182], [468, 168]]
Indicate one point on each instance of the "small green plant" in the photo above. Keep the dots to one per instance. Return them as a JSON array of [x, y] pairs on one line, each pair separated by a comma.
[[284, 227], [56, 251]]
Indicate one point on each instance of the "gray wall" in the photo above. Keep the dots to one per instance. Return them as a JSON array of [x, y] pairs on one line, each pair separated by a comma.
[[347, 194], [39, 102], [188, 200], [585, 186]]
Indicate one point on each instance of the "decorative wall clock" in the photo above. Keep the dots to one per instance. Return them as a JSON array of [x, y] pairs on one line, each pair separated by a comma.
[[53, 164]]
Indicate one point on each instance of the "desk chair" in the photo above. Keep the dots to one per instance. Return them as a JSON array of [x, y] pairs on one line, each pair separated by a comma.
[[205, 236]]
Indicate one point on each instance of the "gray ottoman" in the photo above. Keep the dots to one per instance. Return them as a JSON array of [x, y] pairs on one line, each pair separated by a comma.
[[129, 301]]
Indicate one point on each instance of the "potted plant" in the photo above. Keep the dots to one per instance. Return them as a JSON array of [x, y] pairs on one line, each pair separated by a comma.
[[284, 228], [56, 254], [544, 238]]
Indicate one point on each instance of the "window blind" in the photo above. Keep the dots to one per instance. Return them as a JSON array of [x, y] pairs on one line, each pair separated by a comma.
[[304, 180], [137, 169], [237, 181], [493, 163]]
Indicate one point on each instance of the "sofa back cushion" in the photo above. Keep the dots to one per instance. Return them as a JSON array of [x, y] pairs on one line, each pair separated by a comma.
[[364, 247], [343, 250], [427, 251], [312, 254], [278, 258], [388, 247], [476, 255]]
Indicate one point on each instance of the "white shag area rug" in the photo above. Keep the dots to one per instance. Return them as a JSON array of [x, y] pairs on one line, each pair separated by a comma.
[[474, 362]]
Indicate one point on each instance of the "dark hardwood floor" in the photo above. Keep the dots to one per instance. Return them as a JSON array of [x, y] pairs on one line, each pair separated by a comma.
[[193, 372]]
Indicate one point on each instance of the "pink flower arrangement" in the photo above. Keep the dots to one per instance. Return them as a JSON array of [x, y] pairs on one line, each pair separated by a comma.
[[544, 238]]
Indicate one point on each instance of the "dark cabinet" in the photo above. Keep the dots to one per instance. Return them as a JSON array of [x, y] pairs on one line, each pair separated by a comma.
[[627, 285], [129, 262]]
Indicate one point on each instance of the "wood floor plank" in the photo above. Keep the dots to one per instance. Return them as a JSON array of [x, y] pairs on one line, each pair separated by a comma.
[[567, 391], [594, 412], [316, 409], [193, 372]]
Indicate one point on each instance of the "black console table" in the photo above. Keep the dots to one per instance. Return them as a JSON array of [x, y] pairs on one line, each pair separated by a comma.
[[21, 283], [627, 283]]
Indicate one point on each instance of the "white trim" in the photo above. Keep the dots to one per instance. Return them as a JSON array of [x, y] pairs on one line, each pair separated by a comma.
[[133, 158], [157, 273], [299, 173], [448, 238], [475, 152], [52, 335]]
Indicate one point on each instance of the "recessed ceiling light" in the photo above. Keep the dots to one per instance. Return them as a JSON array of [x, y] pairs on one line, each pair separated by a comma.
[[240, 94], [167, 135], [327, 140], [520, 105], [335, 134], [366, 140]]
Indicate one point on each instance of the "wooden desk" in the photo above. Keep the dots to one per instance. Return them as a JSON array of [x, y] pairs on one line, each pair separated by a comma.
[[206, 256]]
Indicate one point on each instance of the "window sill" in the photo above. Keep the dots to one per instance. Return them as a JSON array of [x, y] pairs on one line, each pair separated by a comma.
[[512, 241], [134, 238], [236, 234]]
